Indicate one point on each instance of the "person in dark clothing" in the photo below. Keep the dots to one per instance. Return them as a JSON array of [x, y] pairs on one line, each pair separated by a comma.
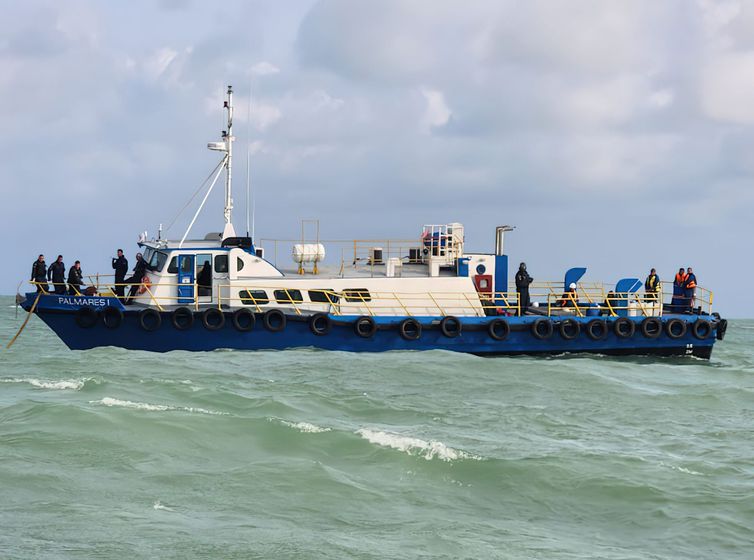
[[679, 302], [569, 298], [39, 274], [75, 279], [140, 270], [120, 265], [56, 274], [652, 286], [204, 280], [689, 288], [522, 287]]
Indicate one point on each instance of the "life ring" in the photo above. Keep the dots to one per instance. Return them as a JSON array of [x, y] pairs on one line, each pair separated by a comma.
[[145, 283], [570, 329], [701, 329], [450, 326], [410, 329], [542, 328], [651, 327], [86, 317], [182, 318], [112, 317], [596, 329], [150, 319], [274, 320], [675, 328], [320, 324], [624, 327], [498, 329], [213, 319], [243, 319], [365, 327]]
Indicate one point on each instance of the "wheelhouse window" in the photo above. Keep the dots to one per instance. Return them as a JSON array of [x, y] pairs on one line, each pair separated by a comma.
[[157, 261], [357, 295], [288, 296], [254, 297], [221, 263], [239, 264], [173, 266], [323, 296]]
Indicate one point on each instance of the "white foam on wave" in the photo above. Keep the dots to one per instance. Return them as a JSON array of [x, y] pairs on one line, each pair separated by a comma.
[[414, 446], [110, 401], [158, 505], [684, 470], [305, 427], [62, 384]]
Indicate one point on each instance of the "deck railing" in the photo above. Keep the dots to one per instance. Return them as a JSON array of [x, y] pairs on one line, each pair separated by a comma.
[[589, 299]]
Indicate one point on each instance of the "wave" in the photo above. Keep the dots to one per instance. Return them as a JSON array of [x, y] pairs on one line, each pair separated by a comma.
[[305, 427], [62, 384], [158, 505], [110, 401], [414, 446]]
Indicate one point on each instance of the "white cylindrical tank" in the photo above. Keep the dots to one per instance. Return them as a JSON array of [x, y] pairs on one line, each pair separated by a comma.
[[308, 253]]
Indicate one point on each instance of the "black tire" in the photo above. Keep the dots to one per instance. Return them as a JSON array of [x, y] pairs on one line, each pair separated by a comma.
[[597, 329], [542, 328], [623, 327], [570, 329], [243, 320], [86, 317], [410, 329], [675, 328], [150, 319], [182, 318], [450, 326], [112, 317], [274, 320], [213, 319], [701, 329], [651, 327], [320, 324], [365, 327], [498, 329]]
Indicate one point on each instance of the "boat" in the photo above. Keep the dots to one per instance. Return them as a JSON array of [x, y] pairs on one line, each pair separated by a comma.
[[226, 291]]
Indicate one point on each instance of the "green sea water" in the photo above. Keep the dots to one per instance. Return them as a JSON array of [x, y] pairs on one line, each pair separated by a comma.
[[307, 454]]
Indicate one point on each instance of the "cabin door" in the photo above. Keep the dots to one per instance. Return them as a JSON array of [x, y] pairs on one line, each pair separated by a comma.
[[204, 278], [185, 278]]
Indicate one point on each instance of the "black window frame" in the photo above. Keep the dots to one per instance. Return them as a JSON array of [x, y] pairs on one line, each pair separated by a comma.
[[248, 297], [287, 296], [357, 295], [327, 295], [224, 268]]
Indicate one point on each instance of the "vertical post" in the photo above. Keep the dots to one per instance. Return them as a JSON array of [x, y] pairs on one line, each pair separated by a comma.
[[229, 161]]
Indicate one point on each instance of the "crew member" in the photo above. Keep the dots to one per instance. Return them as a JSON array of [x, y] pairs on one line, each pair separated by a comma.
[[140, 271], [569, 297], [611, 303], [689, 289], [679, 291], [75, 279], [56, 274], [204, 280], [522, 287], [120, 265], [39, 274], [652, 286]]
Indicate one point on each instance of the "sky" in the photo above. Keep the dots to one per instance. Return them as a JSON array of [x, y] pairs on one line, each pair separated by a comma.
[[614, 135]]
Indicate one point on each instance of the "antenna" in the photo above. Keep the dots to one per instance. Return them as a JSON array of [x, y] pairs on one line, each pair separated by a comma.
[[248, 159], [227, 146]]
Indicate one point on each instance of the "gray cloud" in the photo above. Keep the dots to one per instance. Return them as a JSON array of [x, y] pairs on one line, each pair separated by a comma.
[[616, 135]]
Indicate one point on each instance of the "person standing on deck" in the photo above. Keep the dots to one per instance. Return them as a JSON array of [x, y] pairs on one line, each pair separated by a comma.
[[120, 265], [75, 279], [39, 274], [689, 288], [652, 286], [679, 291], [56, 274], [522, 287]]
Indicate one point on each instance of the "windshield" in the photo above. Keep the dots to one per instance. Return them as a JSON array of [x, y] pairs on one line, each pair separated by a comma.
[[157, 260]]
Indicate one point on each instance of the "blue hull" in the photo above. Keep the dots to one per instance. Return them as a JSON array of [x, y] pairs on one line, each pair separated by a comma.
[[474, 337]]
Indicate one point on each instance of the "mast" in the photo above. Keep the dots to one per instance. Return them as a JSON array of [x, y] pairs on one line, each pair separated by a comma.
[[227, 146]]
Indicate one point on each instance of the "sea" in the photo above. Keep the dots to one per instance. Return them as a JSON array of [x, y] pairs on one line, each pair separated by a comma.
[[117, 454]]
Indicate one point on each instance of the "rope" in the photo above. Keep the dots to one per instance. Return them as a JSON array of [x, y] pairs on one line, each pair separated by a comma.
[[31, 311], [193, 196]]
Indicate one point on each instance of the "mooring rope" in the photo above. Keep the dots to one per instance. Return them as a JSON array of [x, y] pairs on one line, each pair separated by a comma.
[[31, 311]]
